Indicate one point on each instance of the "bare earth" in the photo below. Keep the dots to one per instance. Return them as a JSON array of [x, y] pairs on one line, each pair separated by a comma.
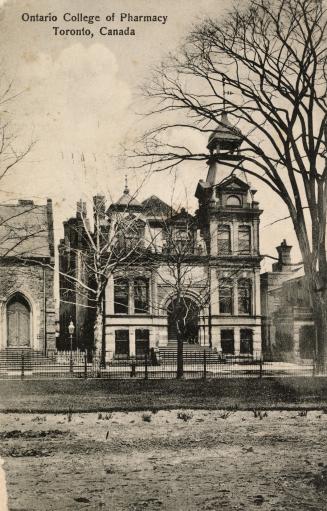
[[212, 460]]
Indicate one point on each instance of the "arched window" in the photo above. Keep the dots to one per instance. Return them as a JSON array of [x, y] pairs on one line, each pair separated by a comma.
[[226, 296], [244, 239], [234, 201], [121, 296], [141, 296], [224, 239], [244, 296], [18, 322]]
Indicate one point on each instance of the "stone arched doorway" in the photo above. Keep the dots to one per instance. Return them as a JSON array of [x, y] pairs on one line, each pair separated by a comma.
[[18, 313], [185, 317]]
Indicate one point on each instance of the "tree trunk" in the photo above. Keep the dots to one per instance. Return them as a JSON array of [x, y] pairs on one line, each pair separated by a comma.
[[98, 331], [180, 360], [319, 301]]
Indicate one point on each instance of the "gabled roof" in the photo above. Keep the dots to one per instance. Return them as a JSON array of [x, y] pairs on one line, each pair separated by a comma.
[[26, 230], [155, 207], [233, 183]]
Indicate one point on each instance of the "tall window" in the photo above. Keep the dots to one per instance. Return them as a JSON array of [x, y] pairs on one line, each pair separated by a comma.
[[141, 296], [244, 239], [121, 343], [246, 341], [226, 296], [224, 239], [121, 294], [142, 343], [227, 341], [244, 296]]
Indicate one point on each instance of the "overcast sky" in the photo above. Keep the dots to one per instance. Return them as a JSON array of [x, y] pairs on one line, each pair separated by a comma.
[[80, 101]]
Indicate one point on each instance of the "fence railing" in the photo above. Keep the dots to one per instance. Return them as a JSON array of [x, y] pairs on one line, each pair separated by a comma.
[[34, 365]]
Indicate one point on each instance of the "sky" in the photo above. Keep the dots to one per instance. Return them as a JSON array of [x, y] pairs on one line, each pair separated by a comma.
[[79, 100]]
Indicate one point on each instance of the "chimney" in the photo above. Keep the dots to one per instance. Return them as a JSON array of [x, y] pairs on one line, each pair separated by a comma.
[[284, 263], [81, 208], [99, 205]]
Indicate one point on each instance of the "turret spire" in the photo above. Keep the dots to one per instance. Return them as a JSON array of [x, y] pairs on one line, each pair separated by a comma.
[[126, 189]]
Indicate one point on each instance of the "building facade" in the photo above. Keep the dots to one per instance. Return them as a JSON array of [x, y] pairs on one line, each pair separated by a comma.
[[27, 302], [288, 331], [195, 277]]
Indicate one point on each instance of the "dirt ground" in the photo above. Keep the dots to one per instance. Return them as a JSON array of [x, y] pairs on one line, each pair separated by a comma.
[[168, 460]]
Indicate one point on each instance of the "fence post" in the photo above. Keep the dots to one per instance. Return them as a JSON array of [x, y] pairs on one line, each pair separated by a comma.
[[71, 361], [85, 363], [204, 364], [313, 365], [133, 369], [146, 367], [260, 368], [22, 367]]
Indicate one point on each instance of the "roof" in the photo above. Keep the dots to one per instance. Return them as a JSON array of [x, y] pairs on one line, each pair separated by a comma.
[[225, 135], [26, 230], [157, 208]]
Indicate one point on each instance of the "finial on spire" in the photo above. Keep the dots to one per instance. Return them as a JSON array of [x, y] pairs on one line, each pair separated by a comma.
[[126, 189]]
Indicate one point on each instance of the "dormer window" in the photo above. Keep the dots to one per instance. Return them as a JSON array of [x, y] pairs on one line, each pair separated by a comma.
[[234, 201]]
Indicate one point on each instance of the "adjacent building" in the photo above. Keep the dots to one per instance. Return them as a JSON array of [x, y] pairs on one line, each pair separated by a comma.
[[27, 305], [288, 331]]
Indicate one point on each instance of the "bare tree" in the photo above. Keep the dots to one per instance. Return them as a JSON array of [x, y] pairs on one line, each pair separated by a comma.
[[180, 265], [96, 252], [264, 65]]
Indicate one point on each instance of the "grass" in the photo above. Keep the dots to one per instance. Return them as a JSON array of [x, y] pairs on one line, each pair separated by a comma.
[[99, 395]]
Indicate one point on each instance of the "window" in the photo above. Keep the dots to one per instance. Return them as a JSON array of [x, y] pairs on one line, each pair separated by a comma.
[[244, 296], [131, 234], [227, 341], [244, 239], [182, 240], [226, 297], [246, 341], [121, 293], [224, 239], [142, 344], [121, 343], [234, 201], [141, 296]]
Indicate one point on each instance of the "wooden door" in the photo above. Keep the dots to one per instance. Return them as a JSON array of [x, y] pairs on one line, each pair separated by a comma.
[[18, 323]]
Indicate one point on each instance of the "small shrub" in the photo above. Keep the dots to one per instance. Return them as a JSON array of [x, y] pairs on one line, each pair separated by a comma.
[[105, 417], [69, 415], [184, 416], [146, 417], [39, 419], [225, 415], [259, 414]]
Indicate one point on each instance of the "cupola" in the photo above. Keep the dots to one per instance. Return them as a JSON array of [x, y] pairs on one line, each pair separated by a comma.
[[226, 138]]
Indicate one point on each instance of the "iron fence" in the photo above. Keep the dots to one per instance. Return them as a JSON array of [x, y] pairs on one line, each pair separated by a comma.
[[76, 364]]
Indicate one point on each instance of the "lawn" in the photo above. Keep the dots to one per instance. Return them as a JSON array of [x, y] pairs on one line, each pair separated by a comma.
[[172, 460], [96, 395]]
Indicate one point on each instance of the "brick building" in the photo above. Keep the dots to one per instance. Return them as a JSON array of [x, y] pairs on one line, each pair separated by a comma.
[[287, 325], [216, 303], [27, 305]]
